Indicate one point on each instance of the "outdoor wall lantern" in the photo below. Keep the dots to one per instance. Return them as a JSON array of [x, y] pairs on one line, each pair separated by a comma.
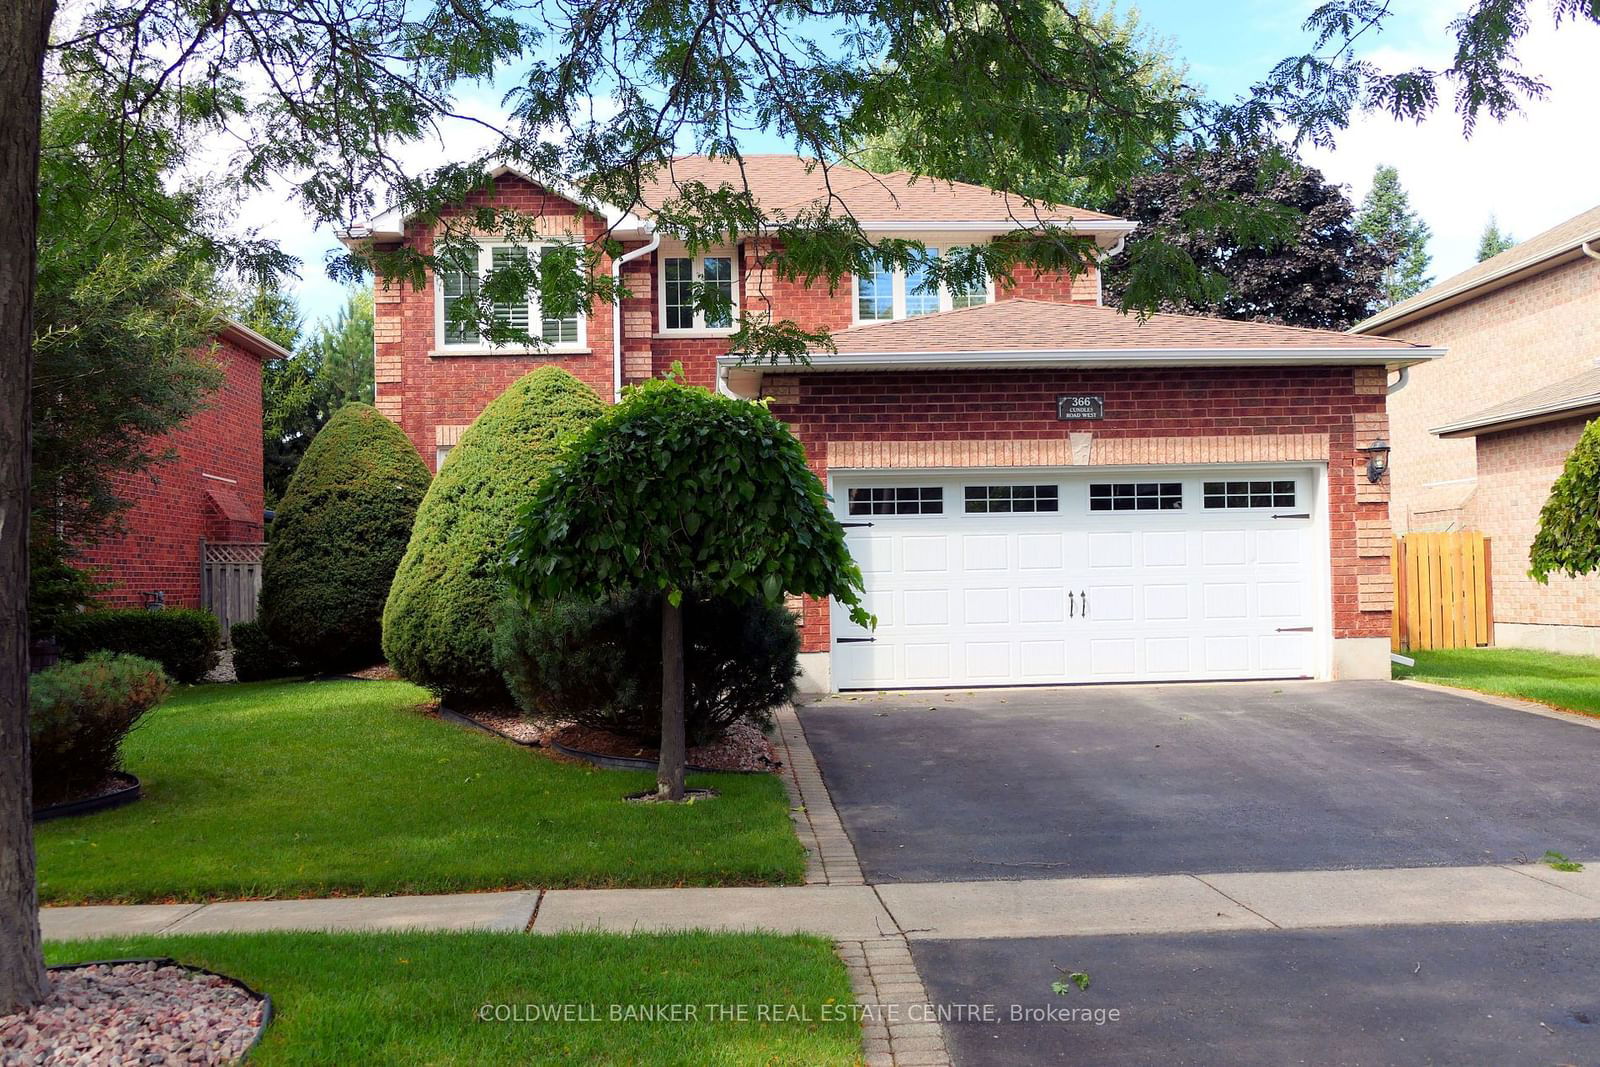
[[1377, 459]]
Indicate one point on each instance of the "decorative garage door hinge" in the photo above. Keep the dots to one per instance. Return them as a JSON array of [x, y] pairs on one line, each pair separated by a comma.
[[1303, 515], [850, 525], [852, 640], [1295, 629]]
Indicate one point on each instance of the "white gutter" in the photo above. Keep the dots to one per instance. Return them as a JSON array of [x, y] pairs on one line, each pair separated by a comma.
[[616, 311], [1403, 311]]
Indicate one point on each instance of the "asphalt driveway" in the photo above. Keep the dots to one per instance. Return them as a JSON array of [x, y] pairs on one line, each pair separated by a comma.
[[1495, 993], [1053, 783]]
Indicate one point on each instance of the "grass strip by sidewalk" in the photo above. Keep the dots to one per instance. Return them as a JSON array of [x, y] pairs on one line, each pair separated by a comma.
[[417, 998], [1570, 682], [298, 789]]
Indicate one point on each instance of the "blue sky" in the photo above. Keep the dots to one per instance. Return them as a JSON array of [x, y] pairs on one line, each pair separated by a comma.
[[1532, 172]]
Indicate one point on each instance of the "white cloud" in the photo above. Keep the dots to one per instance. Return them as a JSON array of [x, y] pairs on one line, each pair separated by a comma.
[[1532, 171]]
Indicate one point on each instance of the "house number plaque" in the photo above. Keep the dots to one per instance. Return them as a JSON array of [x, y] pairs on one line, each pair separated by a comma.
[[1069, 408]]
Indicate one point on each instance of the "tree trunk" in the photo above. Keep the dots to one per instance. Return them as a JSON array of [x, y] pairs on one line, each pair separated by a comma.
[[24, 29], [669, 775]]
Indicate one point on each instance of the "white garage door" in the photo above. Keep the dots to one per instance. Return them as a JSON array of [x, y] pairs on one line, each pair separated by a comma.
[[990, 578]]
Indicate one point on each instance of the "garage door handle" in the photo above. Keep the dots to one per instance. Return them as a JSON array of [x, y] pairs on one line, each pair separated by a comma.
[[1304, 515], [1294, 629], [852, 640]]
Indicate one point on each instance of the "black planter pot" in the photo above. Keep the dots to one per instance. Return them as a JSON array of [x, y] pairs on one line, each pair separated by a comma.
[[129, 792]]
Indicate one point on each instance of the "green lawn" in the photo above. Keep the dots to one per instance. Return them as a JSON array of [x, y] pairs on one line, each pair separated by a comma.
[[416, 998], [282, 789], [1571, 682]]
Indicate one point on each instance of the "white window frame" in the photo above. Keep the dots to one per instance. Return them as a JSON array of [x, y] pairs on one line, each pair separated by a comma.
[[699, 328], [901, 289], [479, 346]]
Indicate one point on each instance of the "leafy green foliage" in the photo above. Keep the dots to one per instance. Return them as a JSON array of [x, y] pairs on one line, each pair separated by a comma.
[[337, 539], [1078, 980], [598, 663], [256, 656], [1388, 221], [1082, 164], [1568, 539], [678, 489], [439, 620], [183, 640], [78, 716], [124, 316], [1309, 267], [1493, 240], [331, 368], [1559, 861]]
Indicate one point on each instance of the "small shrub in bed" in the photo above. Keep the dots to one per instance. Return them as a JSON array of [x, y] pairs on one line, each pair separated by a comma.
[[78, 716], [256, 656], [599, 663], [183, 641]]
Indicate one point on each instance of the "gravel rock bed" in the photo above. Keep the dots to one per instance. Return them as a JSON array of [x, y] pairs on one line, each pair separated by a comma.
[[742, 748], [134, 1014]]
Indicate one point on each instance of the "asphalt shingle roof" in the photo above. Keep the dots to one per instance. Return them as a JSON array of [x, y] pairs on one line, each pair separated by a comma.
[[1039, 325], [1579, 391]]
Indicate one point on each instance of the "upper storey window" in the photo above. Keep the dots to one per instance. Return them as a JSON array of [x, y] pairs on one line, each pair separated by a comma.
[[886, 294], [680, 277], [564, 333]]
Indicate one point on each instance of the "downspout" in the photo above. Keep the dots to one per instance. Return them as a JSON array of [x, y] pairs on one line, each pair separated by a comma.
[[1591, 253], [616, 311], [1400, 382]]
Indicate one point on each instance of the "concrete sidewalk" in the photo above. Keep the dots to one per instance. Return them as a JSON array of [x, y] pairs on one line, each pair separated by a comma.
[[920, 911]]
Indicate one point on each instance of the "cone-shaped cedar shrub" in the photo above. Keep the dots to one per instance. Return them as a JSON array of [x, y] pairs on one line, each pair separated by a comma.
[[337, 539], [1568, 540], [438, 627]]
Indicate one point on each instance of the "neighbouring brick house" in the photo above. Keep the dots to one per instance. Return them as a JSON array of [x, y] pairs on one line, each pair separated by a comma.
[[1480, 435], [209, 492], [1039, 489]]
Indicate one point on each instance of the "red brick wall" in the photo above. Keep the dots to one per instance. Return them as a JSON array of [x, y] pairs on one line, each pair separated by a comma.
[[1017, 405], [423, 392], [172, 511]]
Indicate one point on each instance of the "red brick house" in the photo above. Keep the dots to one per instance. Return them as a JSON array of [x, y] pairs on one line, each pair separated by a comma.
[[1039, 489], [210, 493], [1480, 436]]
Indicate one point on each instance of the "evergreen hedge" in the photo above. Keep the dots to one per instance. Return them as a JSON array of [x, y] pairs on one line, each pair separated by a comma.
[[183, 641], [337, 538], [438, 626]]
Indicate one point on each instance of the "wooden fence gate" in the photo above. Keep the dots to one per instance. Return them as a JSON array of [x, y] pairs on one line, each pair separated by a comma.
[[230, 580], [1443, 595]]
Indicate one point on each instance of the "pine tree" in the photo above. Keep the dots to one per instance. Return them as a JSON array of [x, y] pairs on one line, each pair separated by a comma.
[[1494, 240], [1388, 221]]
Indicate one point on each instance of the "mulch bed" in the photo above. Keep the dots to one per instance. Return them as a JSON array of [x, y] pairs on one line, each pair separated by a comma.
[[131, 1013], [380, 672], [118, 789], [742, 748]]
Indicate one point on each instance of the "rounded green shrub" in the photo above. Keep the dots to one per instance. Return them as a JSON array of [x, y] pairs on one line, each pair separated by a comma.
[[438, 624], [256, 656], [598, 663], [78, 716], [337, 538]]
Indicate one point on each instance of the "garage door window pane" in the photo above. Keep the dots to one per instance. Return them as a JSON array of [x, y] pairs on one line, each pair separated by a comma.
[[1012, 499], [1254, 494], [897, 500], [1136, 496]]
